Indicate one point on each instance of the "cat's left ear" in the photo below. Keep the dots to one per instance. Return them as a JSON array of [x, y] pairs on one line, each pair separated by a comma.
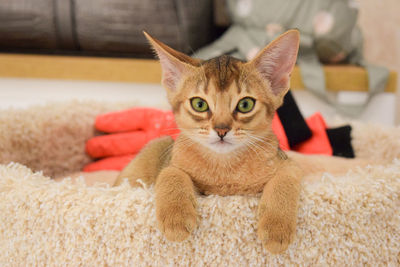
[[275, 62]]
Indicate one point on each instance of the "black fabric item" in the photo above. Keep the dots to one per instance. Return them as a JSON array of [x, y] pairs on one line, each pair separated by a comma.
[[293, 123], [340, 139]]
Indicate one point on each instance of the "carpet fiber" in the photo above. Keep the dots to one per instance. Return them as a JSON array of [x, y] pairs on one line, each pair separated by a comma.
[[352, 219]]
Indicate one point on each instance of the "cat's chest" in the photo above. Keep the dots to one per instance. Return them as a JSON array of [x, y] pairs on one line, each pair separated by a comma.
[[227, 177]]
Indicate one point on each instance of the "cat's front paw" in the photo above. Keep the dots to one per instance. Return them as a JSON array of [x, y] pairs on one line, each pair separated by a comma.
[[275, 233], [176, 220]]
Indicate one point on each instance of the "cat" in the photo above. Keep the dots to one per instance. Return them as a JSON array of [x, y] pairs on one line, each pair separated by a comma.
[[224, 109]]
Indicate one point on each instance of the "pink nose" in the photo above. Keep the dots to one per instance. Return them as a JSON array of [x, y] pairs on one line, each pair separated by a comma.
[[221, 131]]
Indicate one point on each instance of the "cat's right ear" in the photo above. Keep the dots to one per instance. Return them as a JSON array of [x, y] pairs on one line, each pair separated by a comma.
[[173, 63], [275, 62]]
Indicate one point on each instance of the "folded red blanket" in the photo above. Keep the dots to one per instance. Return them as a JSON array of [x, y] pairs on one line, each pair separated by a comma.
[[109, 163]]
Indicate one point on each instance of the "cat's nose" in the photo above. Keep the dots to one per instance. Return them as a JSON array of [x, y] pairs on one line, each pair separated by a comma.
[[221, 130]]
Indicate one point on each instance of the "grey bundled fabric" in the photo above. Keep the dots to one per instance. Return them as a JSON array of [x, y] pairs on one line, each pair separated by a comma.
[[329, 34], [104, 26]]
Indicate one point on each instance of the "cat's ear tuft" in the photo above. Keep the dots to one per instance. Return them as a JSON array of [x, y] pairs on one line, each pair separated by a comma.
[[173, 63], [275, 62]]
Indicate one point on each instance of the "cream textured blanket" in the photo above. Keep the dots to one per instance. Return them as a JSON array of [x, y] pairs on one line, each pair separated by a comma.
[[348, 220]]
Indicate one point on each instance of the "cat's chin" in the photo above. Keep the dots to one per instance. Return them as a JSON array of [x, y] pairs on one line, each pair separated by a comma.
[[221, 147]]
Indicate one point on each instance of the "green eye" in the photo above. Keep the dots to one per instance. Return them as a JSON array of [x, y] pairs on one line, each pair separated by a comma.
[[245, 105], [199, 104]]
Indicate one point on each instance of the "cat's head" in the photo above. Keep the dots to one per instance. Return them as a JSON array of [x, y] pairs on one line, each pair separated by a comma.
[[224, 103]]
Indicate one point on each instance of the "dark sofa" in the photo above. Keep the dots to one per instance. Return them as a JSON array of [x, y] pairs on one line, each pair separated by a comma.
[[104, 27]]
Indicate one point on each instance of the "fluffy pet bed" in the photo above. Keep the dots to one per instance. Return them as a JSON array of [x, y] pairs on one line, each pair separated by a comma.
[[352, 219]]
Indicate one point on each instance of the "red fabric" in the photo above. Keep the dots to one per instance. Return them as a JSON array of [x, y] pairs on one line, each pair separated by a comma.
[[146, 119], [110, 163], [319, 142], [279, 131], [118, 144], [130, 130]]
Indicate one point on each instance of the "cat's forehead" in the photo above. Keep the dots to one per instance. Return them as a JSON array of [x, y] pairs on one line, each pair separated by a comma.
[[222, 70]]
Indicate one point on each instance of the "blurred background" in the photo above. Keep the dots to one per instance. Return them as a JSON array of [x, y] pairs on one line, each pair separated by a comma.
[[57, 50]]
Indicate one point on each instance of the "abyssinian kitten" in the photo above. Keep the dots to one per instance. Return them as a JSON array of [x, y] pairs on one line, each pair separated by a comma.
[[224, 108]]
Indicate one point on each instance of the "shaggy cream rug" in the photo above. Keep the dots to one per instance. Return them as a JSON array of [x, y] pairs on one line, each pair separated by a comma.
[[352, 219]]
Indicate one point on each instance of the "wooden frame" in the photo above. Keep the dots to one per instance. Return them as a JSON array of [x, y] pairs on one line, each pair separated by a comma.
[[338, 78]]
